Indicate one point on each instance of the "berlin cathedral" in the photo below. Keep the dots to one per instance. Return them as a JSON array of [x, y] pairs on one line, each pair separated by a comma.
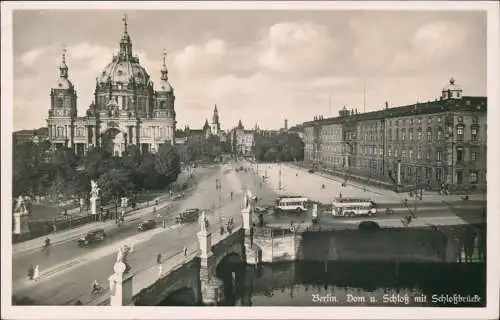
[[126, 109]]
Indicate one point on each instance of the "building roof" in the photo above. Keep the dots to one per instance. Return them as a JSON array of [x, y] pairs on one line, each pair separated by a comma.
[[478, 104]]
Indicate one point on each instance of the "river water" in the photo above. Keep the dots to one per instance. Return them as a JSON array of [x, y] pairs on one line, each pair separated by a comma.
[[304, 283]]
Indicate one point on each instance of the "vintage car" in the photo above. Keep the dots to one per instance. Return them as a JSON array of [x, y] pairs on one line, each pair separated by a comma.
[[146, 225], [91, 237], [190, 215]]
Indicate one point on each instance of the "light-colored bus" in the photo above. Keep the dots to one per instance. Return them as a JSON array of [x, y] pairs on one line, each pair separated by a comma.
[[291, 203], [351, 207]]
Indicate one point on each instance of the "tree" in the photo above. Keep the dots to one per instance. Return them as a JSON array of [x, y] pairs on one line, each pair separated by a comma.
[[167, 165], [283, 147], [114, 185]]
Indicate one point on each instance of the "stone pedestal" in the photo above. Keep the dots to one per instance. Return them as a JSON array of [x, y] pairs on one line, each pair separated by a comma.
[[120, 286], [21, 225], [205, 240], [95, 205], [247, 217]]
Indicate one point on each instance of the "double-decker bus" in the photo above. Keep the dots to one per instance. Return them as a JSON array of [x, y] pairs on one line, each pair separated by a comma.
[[291, 203], [351, 207]]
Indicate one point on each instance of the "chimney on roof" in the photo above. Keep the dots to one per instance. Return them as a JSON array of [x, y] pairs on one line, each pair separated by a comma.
[[356, 110], [386, 105]]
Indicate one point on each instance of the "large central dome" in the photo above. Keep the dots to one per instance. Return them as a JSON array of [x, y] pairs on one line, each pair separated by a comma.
[[121, 70]]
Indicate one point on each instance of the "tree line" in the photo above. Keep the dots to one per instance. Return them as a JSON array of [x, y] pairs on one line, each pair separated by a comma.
[[285, 146], [38, 170]]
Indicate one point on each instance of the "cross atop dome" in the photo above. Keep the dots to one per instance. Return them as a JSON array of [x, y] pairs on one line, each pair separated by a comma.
[[125, 43], [452, 81]]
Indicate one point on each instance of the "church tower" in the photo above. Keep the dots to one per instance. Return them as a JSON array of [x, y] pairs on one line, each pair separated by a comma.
[[62, 112], [215, 126]]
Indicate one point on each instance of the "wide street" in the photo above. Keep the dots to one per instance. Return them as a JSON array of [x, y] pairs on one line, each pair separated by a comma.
[[67, 250], [71, 280], [69, 270], [296, 181]]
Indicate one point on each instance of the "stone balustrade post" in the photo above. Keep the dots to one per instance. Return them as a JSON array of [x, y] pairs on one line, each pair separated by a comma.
[[120, 286]]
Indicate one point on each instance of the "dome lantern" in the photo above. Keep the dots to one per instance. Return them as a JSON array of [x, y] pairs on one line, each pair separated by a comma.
[[451, 91], [125, 42], [164, 84], [63, 68]]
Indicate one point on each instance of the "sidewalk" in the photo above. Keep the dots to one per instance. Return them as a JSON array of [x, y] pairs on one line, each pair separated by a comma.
[[71, 234], [428, 196]]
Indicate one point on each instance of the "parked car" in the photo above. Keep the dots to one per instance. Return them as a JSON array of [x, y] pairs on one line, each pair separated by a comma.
[[92, 236], [311, 171], [189, 215], [146, 225]]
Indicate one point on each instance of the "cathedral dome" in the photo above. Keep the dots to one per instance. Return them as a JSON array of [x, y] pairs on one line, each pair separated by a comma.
[[165, 86], [121, 70], [63, 83]]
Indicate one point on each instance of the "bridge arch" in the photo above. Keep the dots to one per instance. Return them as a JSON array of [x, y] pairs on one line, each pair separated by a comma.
[[184, 296], [231, 270]]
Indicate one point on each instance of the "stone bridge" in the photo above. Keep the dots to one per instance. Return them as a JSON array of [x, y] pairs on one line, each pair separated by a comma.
[[205, 278]]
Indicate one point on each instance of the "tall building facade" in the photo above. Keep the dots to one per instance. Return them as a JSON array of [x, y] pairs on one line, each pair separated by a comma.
[[243, 141], [126, 109], [431, 143]]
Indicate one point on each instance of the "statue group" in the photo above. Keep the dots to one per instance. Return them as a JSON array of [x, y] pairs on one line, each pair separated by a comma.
[[203, 221], [247, 197], [22, 205], [94, 192]]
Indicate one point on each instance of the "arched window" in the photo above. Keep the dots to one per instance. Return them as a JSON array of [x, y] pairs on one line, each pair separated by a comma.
[[460, 132], [410, 134], [439, 133], [429, 134], [60, 131], [403, 134]]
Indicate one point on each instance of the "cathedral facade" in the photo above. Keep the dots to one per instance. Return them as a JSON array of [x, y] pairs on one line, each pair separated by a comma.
[[126, 110]]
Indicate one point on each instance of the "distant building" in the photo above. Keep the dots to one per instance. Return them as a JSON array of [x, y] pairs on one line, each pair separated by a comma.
[[242, 140], [430, 143], [209, 129], [35, 136]]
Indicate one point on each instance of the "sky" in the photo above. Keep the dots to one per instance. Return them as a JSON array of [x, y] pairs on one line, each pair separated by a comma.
[[258, 66]]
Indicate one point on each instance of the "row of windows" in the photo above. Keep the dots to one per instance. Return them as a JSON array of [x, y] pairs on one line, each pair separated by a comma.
[[408, 154], [148, 132]]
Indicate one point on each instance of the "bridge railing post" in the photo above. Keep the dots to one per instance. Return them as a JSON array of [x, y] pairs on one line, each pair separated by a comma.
[[205, 241], [120, 285]]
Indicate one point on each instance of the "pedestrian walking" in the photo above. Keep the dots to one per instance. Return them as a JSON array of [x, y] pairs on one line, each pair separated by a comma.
[[158, 258], [31, 272], [185, 251], [36, 273]]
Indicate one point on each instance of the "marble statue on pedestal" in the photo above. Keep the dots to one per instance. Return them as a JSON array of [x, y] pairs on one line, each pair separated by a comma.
[[203, 222]]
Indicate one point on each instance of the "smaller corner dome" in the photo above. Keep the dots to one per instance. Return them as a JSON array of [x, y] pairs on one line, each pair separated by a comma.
[[63, 83], [452, 86], [165, 86]]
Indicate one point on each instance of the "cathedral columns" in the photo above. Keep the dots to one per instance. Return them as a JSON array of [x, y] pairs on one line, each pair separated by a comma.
[[94, 135], [130, 134]]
